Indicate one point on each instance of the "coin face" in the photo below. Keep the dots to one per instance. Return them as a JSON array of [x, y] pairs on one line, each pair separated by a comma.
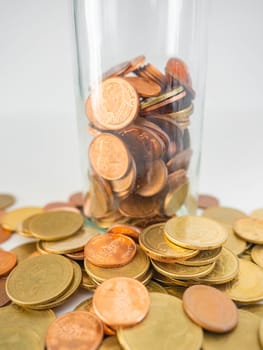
[[195, 232], [121, 302], [236, 244], [210, 308], [249, 229], [139, 207], [175, 198], [7, 262], [109, 156], [75, 330], [16, 338], [144, 87], [10, 220], [257, 255], [114, 105], [110, 250]]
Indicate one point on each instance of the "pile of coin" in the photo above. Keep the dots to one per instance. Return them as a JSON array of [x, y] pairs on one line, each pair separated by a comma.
[[140, 148]]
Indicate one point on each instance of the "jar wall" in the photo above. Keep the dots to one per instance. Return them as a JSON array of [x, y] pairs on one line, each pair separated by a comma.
[[112, 32]]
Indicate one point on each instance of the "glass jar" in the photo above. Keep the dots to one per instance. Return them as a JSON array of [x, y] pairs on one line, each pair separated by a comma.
[[140, 68]]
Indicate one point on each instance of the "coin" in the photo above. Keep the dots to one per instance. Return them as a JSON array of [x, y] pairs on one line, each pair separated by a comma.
[[257, 255], [70, 244], [77, 199], [226, 269], [182, 272], [75, 330], [247, 287], [114, 105], [204, 257], [155, 244], [23, 227], [121, 302], [157, 102], [134, 269], [257, 213], [79, 256], [135, 63], [110, 343], [207, 201], [195, 232], [4, 300], [175, 198], [6, 200], [38, 321], [126, 229], [110, 250], [117, 70], [180, 160], [87, 282], [139, 207], [4, 234], [248, 325], [177, 69], [127, 182], [51, 226], [249, 229], [100, 199], [173, 327], [7, 262], [154, 181], [16, 338], [144, 87], [109, 156], [23, 251], [233, 242], [39, 280], [11, 219], [57, 205], [210, 308], [224, 215]]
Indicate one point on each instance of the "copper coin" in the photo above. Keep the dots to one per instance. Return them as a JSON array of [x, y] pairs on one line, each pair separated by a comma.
[[57, 205], [107, 330], [77, 199], [126, 229], [207, 201], [93, 131], [127, 182], [2, 212], [210, 308], [176, 179], [117, 70], [144, 87], [4, 299], [4, 234], [110, 250], [135, 63], [139, 207], [7, 262], [154, 180], [109, 156], [155, 74], [114, 106], [76, 256], [180, 160], [121, 302], [75, 330]]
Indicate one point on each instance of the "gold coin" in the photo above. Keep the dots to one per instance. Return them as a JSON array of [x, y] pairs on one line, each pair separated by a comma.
[[146, 278], [155, 287], [155, 244], [16, 338], [195, 232], [24, 251], [243, 337], [85, 305], [247, 287], [256, 309], [52, 226], [182, 272], [249, 229], [224, 215], [13, 218], [71, 244], [6, 200], [225, 270], [175, 199], [165, 326], [182, 114], [205, 257], [257, 214], [68, 293], [233, 242], [39, 280], [164, 280], [87, 282], [134, 269], [152, 101], [257, 255], [176, 291], [40, 248], [110, 343], [37, 321]]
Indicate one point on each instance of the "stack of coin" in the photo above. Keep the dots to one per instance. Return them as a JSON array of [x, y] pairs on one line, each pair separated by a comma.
[[140, 148]]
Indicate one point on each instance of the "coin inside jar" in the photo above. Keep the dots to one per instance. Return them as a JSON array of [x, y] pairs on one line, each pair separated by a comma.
[[110, 250]]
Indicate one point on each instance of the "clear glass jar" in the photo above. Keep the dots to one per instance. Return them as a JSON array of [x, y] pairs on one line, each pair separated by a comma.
[[141, 69]]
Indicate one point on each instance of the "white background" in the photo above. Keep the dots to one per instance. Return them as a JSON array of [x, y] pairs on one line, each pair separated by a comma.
[[39, 159]]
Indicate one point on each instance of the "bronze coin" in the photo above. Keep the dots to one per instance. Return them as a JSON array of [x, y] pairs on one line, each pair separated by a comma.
[[125, 229], [155, 74], [110, 250], [127, 182], [139, 207], [57, 205], [117, 70], [79, 256], [75, 330], [77, 199], [135, 63], [121, 302], [109, 156], [7, 262], [4, 299], [166, 102], [144, 87], [176, 179], [154, 180], [4, 234], [180, 161], [114, 105], [210, 308], [207, 201]]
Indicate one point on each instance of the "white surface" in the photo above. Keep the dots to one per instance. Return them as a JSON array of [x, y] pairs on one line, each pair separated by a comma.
[[38, 136]]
